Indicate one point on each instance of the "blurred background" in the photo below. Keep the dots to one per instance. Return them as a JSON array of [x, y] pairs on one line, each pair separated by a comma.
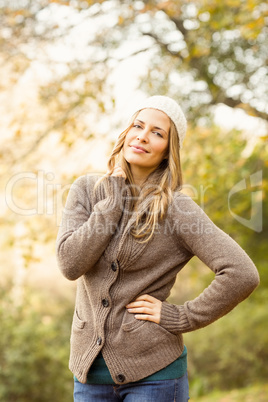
[[71, 72]]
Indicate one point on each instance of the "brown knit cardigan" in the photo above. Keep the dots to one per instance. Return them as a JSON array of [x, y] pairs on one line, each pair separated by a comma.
[[95, 247]]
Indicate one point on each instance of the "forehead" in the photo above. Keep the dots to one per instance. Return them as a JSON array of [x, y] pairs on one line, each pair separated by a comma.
[[154, 117]]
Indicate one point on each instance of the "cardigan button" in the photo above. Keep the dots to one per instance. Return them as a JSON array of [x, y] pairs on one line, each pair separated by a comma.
[[105, 302], [114, 266], [99, 341], [120, 378]]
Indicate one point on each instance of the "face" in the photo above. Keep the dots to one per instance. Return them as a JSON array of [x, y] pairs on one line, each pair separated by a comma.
[[146, 143]]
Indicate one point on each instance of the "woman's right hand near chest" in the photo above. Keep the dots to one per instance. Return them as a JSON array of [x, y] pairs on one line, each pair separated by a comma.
[[118, 172]]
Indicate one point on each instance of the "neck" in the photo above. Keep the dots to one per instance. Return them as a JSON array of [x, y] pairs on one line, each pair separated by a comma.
[[139, 175]]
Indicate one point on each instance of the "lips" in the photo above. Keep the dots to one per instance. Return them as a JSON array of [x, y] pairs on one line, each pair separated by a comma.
[[138, 148]]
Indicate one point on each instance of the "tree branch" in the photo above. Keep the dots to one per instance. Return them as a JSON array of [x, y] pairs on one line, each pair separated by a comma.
[[163, 45], [236, 103], [54, 126]]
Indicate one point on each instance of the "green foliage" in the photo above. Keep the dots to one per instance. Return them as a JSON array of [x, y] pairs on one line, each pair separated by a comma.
[[212, 167], [34, 347], [250, 393], [203, 53], [230, 353], [208, 53]]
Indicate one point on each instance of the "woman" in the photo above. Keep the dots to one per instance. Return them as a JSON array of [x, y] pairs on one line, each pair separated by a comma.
[[125, 237]]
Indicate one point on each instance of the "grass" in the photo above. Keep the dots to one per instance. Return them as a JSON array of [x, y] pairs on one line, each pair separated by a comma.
[[256, 393]]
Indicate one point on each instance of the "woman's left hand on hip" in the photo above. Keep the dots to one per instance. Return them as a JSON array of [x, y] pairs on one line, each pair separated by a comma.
[[146, 308]]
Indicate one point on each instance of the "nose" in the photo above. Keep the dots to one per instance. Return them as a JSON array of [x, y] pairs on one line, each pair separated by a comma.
[[143, 135]]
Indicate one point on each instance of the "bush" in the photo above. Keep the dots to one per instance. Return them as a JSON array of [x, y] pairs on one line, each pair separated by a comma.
[[34, 352], [230, 353]]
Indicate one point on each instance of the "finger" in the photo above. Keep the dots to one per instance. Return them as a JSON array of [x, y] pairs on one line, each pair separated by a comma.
[[145, 317], [118, 174], [147, 298], [118, 171], [139, 304], [141, 310]]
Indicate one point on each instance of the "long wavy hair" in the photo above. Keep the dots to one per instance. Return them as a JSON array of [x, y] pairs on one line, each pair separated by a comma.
[[150, 201]]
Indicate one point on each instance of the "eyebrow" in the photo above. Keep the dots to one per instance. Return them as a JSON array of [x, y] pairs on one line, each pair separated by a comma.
[[158, 128]]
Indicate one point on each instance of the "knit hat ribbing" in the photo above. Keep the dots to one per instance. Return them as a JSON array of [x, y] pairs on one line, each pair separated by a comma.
[[171, 108]]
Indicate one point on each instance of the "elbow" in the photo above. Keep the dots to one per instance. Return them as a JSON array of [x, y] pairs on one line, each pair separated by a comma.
[[70, 275], [67, 270], [66, 263], [67, 267], [255, 280], [252, 281]]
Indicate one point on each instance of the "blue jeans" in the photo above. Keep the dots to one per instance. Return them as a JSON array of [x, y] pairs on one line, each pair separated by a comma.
[[150, 391]]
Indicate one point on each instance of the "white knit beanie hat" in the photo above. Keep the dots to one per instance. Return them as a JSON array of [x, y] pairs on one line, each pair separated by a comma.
[[171, 108]]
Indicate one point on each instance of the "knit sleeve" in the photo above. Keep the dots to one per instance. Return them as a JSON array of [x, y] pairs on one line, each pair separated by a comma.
[[86, 226], [235, 274]]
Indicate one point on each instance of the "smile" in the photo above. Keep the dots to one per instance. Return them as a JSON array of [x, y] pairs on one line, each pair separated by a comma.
[[138, 149]]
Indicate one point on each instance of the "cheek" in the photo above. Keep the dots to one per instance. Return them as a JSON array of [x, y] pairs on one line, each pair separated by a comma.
[[161, 149], [125, 146], [128, 139]]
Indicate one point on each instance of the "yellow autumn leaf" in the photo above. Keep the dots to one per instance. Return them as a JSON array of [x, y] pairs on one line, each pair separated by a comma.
[[120, 20], [199, 51]]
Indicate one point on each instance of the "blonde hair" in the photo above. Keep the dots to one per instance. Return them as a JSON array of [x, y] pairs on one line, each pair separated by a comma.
[[157, 191]]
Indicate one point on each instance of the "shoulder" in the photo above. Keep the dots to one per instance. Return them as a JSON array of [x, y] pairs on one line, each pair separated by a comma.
[[190, 221], [188, 215], [87, 179], [85, 183], [81, 191], [183, 205]]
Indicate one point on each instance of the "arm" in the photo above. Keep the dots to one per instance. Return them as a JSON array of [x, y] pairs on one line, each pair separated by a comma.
[[87, 227], [235, 274]]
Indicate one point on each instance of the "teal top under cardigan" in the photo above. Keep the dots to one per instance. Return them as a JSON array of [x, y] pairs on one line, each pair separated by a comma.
[[99, 373]]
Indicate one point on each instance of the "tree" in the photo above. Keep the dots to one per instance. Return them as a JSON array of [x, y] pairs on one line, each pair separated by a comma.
[[203, 53]]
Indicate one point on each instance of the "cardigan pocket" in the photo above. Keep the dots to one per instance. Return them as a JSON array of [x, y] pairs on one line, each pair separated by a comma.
[[141, 336], [130, 322], [77, 322]]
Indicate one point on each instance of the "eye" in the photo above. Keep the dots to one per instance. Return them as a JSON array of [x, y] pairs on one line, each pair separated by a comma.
[[157, 133], [137, 126]]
